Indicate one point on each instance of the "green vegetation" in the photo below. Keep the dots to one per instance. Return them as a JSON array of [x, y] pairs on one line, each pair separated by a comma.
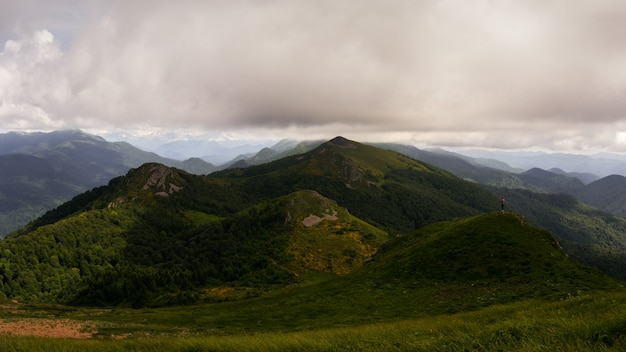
[[346, 247], [591, 236], [585, 323]]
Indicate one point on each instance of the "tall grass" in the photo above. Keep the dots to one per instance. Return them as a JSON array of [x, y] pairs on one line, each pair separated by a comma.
[[594, 322]]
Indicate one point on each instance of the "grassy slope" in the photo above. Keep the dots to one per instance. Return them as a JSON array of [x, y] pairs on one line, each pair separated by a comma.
[[591, 236], [419, 276], [593, 322], [514, 290], [327, 237]]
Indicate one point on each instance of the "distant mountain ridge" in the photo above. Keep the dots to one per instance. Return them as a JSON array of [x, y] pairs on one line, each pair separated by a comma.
[[607, 193], [601, 165], [76, 161]]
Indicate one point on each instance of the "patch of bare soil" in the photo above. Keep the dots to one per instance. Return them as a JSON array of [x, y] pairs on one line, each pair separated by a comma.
[[47, 328], [314, 219]]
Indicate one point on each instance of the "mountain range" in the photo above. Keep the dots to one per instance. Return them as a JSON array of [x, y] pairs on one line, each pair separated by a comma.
[[160, 236], [42, 170]]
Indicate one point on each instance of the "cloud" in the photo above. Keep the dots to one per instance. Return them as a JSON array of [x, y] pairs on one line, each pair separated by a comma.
[[513, 74], [24, 66]]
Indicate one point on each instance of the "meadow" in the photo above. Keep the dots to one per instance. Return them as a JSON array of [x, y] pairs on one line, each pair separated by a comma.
[[589, 322]]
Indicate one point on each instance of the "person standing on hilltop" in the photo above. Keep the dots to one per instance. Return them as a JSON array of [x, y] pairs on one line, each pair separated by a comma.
[[502, 203]]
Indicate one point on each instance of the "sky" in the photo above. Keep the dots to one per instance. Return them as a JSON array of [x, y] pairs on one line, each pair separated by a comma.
[[532, 74]]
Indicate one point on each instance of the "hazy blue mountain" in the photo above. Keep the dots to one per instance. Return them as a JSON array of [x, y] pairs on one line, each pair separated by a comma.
[[216, 148], [280, 150], [215, 152], [551, 182], [462, 166], [608, 194], [598, 164], [585, 177], [491, 163]]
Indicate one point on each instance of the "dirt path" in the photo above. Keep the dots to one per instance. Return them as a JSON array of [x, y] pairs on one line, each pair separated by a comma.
[[47, 328]]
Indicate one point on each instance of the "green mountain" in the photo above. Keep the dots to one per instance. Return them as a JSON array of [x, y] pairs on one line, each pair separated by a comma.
[[606, 194], [42, 170], [384, 188], [551, 182]]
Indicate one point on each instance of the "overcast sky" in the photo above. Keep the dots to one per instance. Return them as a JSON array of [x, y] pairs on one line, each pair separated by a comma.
[[501, 74]]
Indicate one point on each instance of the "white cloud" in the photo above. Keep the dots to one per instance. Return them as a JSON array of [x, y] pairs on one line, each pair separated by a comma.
[[29, 81]]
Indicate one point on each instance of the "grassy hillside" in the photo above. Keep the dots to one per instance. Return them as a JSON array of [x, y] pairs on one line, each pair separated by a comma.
[[591, 236], [326, 238], [498, 250]]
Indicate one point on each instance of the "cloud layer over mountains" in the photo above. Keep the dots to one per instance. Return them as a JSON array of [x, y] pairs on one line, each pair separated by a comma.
[[505, 74]]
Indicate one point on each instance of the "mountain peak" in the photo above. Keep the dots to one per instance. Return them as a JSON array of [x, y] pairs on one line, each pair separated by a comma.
[[160, 175], [161, 180], [342, 142]]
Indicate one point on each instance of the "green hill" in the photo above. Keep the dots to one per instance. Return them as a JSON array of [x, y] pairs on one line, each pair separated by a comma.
[[496, 250], [587, 234], [606, 194]]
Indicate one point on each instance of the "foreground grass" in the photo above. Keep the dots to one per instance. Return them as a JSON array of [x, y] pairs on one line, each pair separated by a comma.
[[592, 322]]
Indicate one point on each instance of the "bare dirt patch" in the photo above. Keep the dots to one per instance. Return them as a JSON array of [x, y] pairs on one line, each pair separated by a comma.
[[314, 219], [47, 328]]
